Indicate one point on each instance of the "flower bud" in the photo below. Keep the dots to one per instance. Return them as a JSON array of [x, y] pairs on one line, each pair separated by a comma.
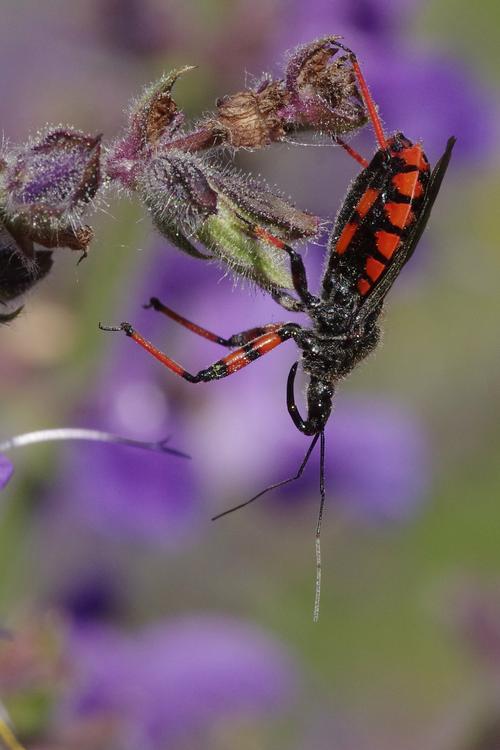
[[318, 92], [152, 118], [322, 92], [45, 185], [191, 200], [250, 119]]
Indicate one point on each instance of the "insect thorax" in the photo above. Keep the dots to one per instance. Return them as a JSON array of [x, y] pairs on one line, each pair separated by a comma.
[[331, 351]]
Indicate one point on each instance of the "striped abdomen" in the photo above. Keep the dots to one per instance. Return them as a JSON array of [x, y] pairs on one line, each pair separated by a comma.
[[379, 212]]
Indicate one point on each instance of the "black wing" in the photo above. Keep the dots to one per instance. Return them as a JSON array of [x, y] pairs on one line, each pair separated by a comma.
[[373, 300]]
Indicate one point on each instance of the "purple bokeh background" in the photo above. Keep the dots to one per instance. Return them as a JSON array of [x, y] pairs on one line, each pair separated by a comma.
[[172, 682]]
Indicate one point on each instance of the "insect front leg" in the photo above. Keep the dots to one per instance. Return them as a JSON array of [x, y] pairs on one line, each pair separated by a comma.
[[236, 360], [319, 403]]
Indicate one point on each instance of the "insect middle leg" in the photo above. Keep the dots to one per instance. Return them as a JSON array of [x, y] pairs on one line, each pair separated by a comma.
[[299, 276], [237, 339], [236, 360]]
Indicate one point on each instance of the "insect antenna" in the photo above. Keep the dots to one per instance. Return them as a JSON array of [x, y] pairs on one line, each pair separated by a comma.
[[317, 592], [277, 484]]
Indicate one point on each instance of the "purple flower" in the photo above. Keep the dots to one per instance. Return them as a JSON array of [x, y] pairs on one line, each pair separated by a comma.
[[372, 19], [378, 463], [6, 471], [133, 495], [140, 497], [134, 27], [44, 187], [171, 683]]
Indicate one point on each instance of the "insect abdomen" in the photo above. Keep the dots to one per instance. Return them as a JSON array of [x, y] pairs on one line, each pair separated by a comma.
[[384, 204]]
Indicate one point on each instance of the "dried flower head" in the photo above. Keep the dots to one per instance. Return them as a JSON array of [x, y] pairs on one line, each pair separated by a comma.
[[250, 118], [319, 93]]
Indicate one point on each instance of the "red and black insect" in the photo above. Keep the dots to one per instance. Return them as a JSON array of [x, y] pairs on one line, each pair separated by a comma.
[[375, 234]]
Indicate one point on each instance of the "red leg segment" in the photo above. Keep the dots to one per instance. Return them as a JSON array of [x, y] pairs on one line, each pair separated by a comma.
[[370, 104], [273, 336], [238, 339], [355, 155], [367, 97]]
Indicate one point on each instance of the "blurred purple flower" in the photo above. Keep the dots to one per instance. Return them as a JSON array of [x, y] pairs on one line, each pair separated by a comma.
[[133, 495], [90, 595], [475, 615], [378, 462], [380, 19], [6, 471], [135, 27], [173, 682]]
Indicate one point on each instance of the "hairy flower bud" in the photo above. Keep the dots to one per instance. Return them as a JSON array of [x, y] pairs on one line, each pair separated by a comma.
[[192, 201], [322, 92], [44, 188], [319, 92], [197, 203], [153, 119]]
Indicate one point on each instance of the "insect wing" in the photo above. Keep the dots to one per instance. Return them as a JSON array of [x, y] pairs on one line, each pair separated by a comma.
[[373, 300], [353, 240]]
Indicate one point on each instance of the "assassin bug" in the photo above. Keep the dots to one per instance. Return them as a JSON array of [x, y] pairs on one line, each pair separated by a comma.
[[375, 233]]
